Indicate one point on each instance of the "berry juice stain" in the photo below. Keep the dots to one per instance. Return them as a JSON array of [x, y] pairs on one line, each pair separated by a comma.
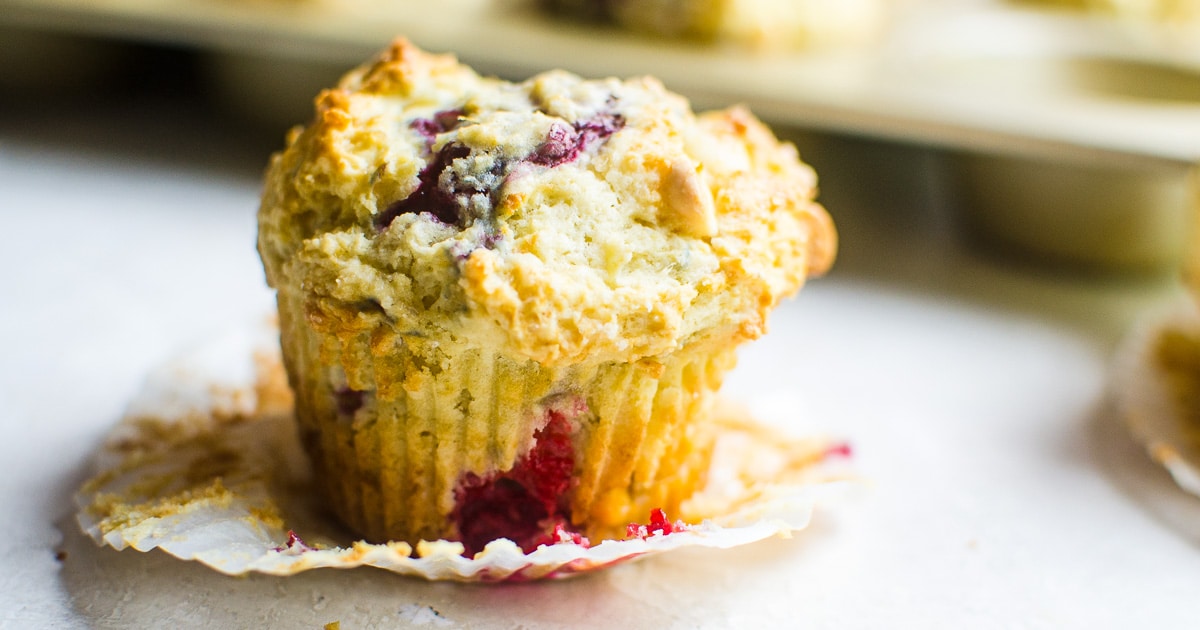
[[455, 195], [565, 142], [347, 400], [526, 504]]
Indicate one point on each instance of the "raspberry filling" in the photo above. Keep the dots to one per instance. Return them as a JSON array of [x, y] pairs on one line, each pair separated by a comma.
[[443, 121], [659, 524], [294, 544], [565, 142], [438, 190], [457, 194], [347, 400], [526, 504], [441, 191]]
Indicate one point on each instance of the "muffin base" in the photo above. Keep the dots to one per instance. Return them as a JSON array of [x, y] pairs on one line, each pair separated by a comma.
[[398, 426]]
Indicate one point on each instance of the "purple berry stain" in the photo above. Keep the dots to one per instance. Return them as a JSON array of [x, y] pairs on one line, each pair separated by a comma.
[[453, 197], [347, 400], [443, 121], [431, 197], [565, 142], [527, 504]]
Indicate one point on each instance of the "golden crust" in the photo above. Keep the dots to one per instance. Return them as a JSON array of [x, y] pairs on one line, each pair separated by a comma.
[[672, 229]]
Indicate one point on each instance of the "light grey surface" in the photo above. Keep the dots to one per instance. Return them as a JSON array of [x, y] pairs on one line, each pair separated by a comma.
[[1002, 491]]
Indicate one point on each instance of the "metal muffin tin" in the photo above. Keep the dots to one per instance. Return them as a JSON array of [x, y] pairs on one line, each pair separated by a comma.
[[1065, 137]]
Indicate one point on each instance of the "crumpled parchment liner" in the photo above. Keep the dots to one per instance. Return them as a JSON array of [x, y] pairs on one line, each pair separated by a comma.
[[206, 467], [1152, 398]]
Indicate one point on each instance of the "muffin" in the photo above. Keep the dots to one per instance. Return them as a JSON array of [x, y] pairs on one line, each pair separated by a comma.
[[505, 308], [759, 24], [1171, 12]]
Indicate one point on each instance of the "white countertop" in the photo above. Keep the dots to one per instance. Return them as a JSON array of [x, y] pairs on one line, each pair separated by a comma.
[[1003, 492]]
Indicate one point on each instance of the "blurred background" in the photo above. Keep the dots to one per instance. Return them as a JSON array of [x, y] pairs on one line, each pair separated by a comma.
[[1059, 133]]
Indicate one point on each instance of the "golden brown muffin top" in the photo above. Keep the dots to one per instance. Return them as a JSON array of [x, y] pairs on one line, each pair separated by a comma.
[[557, 219]]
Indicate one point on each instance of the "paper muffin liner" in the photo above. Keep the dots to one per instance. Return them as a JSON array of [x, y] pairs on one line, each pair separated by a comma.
[[206, 466], [1156, 382], [392, 439]]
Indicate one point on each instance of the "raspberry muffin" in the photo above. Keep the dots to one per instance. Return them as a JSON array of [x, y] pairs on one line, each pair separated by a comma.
[[506, 307], [763, 24]]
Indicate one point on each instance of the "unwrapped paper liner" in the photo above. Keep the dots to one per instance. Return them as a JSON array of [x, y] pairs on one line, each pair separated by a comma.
[[1150, 402], [206, 466]]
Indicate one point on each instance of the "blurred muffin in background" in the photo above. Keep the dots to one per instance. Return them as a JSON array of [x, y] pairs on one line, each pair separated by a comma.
[[757, 24], [1163, 11]]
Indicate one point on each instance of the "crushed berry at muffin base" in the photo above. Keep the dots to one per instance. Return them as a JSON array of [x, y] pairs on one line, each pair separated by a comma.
[[526, 504]]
